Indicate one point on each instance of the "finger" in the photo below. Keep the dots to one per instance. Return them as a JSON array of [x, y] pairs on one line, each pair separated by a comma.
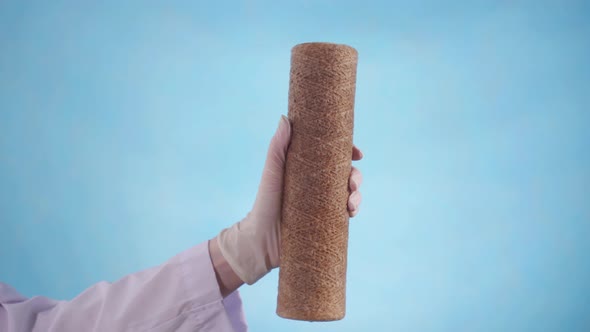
[[357, 154], [354, 202], [355, 180]]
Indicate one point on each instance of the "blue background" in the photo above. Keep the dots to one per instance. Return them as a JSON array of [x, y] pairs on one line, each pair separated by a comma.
[[130, 131]]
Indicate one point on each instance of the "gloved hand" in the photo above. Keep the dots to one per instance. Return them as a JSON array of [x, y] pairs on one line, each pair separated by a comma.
[[251, 246]]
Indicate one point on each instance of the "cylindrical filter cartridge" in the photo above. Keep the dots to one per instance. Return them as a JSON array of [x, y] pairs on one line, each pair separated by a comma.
[[314, 222]]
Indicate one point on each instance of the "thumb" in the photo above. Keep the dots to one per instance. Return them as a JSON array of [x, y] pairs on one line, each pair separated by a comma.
[[272, 176], [280, 141]]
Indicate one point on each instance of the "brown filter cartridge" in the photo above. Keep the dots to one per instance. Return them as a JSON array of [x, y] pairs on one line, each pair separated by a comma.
[[314, 223]]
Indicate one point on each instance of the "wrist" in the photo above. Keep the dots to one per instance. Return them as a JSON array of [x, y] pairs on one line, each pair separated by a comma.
[[227, 278], [245, 247]]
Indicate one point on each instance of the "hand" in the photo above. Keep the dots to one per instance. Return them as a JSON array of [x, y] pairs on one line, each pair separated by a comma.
[[251, 246]]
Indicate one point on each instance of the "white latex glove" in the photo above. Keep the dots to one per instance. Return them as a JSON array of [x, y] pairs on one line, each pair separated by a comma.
[[251, 246]]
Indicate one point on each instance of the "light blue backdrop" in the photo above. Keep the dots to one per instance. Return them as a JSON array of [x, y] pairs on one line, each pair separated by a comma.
[[130, 131]]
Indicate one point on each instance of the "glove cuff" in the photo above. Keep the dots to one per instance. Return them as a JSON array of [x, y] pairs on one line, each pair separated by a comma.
[[240, 249]]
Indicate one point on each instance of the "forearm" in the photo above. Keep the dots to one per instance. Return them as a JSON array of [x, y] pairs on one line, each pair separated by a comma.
[[183, 292], [227, 279]]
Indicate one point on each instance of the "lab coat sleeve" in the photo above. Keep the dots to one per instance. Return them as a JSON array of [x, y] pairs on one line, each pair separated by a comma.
[[179, 295]]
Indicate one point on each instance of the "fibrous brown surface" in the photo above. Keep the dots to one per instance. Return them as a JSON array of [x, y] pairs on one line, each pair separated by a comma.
[[314, 223]]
